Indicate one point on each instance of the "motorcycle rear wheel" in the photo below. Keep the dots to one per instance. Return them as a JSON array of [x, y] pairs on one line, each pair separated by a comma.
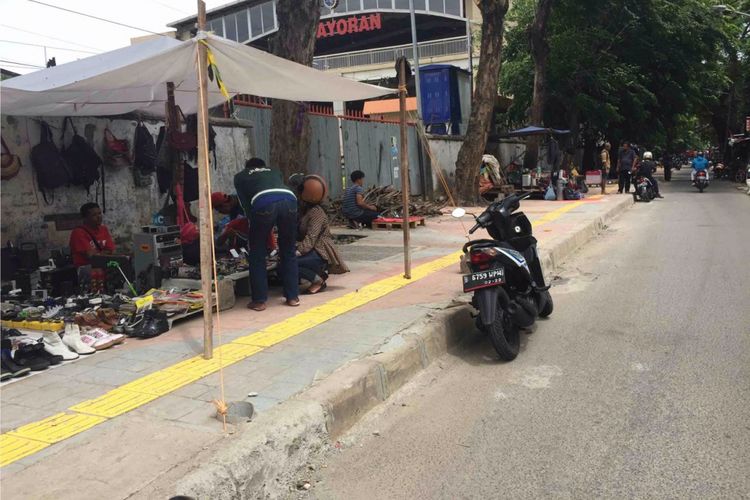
[[505, 336]]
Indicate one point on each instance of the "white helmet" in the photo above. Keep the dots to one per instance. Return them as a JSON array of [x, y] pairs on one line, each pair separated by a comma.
[[648, 155]]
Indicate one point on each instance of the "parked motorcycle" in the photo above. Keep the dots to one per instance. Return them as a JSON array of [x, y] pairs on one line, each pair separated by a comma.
[[506, 276], [701, 180], [644, 190]]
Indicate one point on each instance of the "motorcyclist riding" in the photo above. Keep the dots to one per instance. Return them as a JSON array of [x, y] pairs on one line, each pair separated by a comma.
[[699, 163], [646, 168]]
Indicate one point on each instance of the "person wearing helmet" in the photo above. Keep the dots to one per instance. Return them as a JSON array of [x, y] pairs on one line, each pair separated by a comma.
[[646, 168], [699, 163]]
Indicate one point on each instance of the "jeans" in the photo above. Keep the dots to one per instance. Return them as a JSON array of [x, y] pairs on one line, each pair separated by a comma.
[[283, 215], [367, 217], [623, 183], [311, 265]]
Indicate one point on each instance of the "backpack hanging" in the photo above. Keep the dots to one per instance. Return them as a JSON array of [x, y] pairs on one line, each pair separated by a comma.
[[83, 161], [144, 150], [51, 169], [163, 161], [10, 164], [116, 151]]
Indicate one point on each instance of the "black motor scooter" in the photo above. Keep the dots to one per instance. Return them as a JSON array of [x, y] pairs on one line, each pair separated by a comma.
[[506, 276]]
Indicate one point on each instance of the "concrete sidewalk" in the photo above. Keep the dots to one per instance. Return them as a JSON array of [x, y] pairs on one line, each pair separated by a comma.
[[163, 426]]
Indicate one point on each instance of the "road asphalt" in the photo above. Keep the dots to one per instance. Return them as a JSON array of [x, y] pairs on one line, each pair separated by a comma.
[[638, 386]]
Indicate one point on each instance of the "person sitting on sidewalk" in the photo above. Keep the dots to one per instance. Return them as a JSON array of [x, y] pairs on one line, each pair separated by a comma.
[[316, 254], [355, 208]]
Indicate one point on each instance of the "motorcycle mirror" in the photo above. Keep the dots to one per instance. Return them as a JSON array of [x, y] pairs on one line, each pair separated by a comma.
[[458, 212]]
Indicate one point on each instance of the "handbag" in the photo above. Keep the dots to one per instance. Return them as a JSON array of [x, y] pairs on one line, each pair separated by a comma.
[[116, 151], [182, 141], [10, 164], [188, 230]]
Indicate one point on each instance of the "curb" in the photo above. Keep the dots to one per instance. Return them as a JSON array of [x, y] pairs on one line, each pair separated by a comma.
[[264, 459]]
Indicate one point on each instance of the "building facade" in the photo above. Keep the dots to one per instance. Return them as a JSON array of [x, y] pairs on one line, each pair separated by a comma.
[[360, 39]]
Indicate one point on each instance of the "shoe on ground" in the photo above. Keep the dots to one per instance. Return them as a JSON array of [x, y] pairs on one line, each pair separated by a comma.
[[73, 340], [103, 340], [29, 356], [7, 366], [53, 344], [659, 196]]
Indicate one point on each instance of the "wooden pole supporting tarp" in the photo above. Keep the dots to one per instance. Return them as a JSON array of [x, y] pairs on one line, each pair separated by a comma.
[[404, 149], [204, 197]]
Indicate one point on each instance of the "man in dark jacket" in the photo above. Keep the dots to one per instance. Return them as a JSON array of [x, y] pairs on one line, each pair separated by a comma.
[[646, 168], [268, 202], [625, 162]]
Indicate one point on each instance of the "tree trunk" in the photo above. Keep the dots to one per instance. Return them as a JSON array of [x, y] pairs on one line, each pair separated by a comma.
[[483, 101], [540, 54], [290, 127]]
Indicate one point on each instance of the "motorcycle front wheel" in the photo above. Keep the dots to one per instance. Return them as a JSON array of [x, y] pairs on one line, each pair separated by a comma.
[[545, 304], [505, 336]]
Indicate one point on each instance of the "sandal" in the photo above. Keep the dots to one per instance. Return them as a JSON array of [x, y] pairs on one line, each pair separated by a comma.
[[257, 306]]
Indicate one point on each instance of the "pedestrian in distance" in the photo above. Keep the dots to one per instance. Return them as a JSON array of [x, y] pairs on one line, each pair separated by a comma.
[[626, 160], [268, 202], [605, 165]]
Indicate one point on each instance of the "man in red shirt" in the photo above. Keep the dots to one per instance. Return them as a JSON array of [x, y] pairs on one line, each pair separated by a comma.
[[90, 238]]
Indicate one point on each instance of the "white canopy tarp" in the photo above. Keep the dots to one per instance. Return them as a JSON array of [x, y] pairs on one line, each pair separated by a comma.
[[134, 79]]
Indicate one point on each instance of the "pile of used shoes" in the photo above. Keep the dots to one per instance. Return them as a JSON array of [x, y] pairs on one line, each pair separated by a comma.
[[22, 354]]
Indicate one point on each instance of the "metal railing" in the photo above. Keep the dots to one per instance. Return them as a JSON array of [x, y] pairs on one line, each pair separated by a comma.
[[427, 50]]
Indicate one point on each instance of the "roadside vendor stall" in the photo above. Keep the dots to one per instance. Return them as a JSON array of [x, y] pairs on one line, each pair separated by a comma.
[[536, 180], [152, 79]]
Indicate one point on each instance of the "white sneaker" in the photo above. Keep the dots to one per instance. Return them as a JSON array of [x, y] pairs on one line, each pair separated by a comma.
[[74, 340], [54, 345], [102, 339], [51, 312]]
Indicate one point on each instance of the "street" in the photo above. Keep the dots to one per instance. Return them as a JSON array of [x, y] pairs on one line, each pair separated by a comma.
[[637, 386]]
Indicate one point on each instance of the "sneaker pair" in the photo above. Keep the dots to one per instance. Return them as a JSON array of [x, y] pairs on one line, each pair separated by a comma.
[[100, 339]]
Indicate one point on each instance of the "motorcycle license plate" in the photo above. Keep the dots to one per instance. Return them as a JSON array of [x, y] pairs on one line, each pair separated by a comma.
[[484, 279]]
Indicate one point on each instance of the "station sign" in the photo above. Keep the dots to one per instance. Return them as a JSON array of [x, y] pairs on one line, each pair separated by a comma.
[[346, 26]]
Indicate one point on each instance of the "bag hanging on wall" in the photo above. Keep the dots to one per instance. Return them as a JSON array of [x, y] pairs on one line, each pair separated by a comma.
[[163, 162], [188, 230], [144, 150], [179, 140], [83, 161], [116, 151], [10, 164], [51, 169]]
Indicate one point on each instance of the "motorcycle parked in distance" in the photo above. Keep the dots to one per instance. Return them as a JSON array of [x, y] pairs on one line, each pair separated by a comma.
[[701, 180], [506, 276], [644, 190]]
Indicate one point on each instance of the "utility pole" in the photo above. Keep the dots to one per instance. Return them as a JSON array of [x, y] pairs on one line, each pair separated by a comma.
[[404, 150]]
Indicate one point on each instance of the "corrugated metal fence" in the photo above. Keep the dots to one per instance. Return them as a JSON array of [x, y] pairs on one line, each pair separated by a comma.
[[367, 146]]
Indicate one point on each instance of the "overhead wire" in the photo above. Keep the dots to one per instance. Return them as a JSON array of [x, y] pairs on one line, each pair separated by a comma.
[[96, 17], [48, 46], [48, 36], [16, 63]]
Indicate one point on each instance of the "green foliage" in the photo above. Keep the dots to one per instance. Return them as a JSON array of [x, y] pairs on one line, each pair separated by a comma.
[[650, 71]]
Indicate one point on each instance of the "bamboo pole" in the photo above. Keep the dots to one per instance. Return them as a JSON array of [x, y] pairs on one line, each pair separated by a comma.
[[203, 196], [404, 149]]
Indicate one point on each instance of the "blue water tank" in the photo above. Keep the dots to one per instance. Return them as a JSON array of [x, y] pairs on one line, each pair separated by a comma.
[[441, 103]]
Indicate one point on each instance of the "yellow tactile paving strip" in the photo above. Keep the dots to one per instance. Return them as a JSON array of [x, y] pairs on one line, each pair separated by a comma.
[[33, 437]]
